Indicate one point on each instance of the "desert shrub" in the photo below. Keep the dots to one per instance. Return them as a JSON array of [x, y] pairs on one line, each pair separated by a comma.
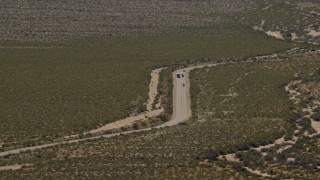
[[211, 155], [238, 167], [316, 116], [164, 117], [135, 126]]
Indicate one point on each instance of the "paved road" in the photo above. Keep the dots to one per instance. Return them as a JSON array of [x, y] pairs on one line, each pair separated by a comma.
[[181, 112], [181, 99]]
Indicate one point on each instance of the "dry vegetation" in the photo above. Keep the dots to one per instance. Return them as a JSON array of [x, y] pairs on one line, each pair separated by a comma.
[[300, 158], [189, 150], [295, 155], [67, 67], [164, 153], [54, 92], [51, 20], [291, 20], [50, 93]]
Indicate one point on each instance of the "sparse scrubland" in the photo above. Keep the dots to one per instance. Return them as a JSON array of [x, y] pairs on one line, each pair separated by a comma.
[[50, 93], [52, 21], [290, 20], [256, 91], [164, 153], [192, 148], [69, 67], [55, 89], [300, 159]]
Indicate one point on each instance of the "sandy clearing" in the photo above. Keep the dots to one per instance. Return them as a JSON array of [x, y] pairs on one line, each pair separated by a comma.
[[10, 167], [127, 121], [153, 88], [231, 158], [260, 26], [276, 34], [314, 33], [315, 13], [13, 167], [257, 172], [294, 36], [316, 126]]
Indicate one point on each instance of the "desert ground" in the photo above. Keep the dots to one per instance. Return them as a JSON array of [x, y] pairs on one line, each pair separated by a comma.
[[90, 89]]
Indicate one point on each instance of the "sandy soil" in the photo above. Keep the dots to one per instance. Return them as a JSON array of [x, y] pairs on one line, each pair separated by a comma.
[[260, 26], [127, 121], [153, 88], [316, 125], [231, 158], [257, 172], [314, 33], [276, 34], [294, 36], [13, 167]]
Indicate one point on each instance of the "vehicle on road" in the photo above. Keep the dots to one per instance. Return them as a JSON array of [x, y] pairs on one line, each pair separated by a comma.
[[180, 75]]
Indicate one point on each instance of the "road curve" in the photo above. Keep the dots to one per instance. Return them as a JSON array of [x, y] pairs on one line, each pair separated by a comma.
[[181, 112]]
